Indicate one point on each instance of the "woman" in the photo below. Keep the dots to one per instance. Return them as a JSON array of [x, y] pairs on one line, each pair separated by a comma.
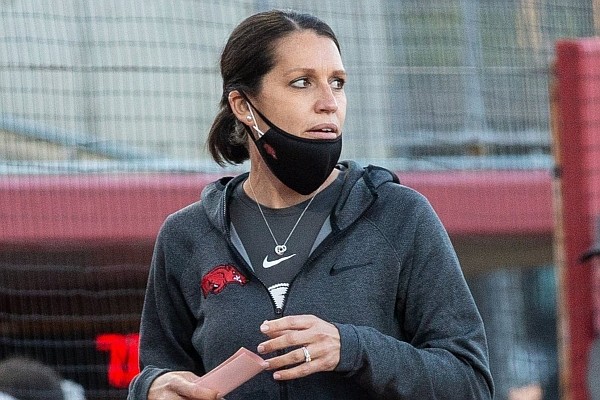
[[342, 279]]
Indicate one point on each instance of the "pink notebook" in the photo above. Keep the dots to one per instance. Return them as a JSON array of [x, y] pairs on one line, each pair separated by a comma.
[[231, 373]]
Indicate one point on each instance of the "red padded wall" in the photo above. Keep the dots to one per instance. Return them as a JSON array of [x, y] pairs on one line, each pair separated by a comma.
[[578, 168]]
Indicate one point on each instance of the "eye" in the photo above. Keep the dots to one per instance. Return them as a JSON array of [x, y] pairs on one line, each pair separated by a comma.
[[338, 83], [300, 83]]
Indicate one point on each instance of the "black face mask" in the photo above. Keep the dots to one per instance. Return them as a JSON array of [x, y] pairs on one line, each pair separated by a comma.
[[299, 163]]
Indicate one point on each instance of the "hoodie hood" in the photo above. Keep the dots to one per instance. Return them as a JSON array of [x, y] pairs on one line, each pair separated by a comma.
[[359, 191]]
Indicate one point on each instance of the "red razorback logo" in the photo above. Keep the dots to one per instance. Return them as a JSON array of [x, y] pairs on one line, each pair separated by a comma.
[[219, 277]]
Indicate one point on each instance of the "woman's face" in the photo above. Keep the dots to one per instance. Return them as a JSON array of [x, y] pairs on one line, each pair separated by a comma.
[[304, 92]]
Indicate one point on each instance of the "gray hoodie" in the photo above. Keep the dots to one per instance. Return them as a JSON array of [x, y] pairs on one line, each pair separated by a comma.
[[386, 275]]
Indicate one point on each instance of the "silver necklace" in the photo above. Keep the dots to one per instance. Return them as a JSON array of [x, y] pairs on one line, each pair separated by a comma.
[[280, 249]]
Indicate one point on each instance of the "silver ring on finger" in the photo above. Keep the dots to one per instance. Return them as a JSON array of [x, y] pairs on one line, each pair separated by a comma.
[[307, 357]]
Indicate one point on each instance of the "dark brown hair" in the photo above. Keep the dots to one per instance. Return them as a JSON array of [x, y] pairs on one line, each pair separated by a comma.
[[247, 57]]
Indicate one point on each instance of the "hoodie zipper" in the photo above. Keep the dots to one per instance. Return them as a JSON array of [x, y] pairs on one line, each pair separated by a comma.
[[277, 312]]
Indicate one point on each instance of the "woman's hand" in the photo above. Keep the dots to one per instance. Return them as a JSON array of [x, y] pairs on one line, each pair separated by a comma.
[[179, 385], [319, 338]]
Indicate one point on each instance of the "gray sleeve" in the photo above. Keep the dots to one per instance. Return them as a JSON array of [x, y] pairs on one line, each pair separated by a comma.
[[166, 325], [139, 386], [444, 355]]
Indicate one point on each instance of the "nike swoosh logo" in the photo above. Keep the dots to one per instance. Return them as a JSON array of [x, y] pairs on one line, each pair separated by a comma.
[[269, 264]]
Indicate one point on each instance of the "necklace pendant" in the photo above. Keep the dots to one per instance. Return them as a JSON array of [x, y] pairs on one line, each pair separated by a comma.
[[280, 249]]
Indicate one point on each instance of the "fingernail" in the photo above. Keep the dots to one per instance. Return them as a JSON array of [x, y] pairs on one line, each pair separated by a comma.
[[260, 348], [264, 328], [276, 375]]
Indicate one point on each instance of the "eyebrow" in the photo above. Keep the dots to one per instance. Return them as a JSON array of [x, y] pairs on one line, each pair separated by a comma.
[[313, 71]]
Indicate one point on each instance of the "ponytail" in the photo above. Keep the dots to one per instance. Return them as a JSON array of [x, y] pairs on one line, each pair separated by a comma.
[[227, 138]]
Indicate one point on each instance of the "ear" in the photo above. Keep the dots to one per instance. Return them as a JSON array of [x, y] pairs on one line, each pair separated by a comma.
[[239, 106]]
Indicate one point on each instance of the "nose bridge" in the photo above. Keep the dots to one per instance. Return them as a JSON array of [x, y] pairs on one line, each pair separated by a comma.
[[326, 100]]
